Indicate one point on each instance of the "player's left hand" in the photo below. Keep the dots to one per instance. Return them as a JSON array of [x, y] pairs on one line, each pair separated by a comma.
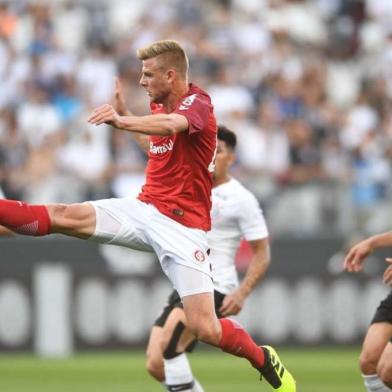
[[232, 304], [119, 100], [357, 255], [387, 277], [104, 114]]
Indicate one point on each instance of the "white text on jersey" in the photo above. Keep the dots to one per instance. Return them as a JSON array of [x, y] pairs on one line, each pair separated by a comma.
[[187, 102], [162, 148]]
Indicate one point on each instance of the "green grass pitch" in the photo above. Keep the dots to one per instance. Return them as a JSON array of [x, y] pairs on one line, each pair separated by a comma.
[[316, 370]]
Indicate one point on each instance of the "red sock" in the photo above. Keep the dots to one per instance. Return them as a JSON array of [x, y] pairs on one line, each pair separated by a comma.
[[235, 340], [23, 218]]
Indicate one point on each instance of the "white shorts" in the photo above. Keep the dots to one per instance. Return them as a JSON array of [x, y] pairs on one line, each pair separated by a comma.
[[137, 225]]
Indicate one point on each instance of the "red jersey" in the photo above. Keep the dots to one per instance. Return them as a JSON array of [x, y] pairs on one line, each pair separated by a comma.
[[180, 166]]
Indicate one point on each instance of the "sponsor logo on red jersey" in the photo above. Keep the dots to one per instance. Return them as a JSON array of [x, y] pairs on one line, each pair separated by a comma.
[[161, 148]]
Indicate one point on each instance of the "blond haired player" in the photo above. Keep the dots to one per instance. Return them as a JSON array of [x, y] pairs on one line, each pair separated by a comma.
[[171, 215]]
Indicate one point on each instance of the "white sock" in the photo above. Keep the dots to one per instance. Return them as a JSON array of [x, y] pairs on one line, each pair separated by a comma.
[[374, 384], [196, 387], [178, 371]]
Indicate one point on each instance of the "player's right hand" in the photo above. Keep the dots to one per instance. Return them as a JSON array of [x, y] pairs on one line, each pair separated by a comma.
[[105, 114], [357, 255], [232, 304]]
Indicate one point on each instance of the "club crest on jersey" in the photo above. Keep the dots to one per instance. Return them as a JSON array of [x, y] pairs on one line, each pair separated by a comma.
[[199, 256], [187, 102], [161, 148]]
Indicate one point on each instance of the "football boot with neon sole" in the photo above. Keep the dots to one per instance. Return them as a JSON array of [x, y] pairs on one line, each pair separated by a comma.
[[275, 373]]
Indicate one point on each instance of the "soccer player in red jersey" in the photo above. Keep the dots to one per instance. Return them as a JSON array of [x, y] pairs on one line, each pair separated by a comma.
[[171, 215], [376, 356]]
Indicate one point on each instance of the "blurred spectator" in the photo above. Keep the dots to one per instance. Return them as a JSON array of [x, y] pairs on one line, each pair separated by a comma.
[[8, 21], [13, 154], [306, 84], [66, 99], [128, 164], [37, 117], [70, 22], [229, 96], [96, 73], [85, 157]]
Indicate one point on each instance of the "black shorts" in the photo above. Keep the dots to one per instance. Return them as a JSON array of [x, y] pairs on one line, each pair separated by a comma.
[[174, 301], [384, 311]]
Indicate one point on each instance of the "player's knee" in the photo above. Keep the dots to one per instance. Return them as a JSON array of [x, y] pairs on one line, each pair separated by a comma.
[[61, 215], [71, 218], [56, 211], [367, 363], [206, 332], [154, 365]]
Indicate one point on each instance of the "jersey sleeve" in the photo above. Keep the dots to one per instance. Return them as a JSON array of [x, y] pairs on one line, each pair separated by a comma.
[[251, 220], [196, 111]]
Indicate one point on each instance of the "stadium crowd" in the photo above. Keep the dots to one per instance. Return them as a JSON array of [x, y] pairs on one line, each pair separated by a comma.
[[306, 85]]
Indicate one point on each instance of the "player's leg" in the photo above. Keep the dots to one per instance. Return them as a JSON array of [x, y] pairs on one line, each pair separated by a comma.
[[177, 337], [76, 220], [224, 333], [179, 340], [154, 354], [374, 344], [166, 358], [384, 369], [179, 364], [233, 339], [182, 253], [375, 341], [167, 342]]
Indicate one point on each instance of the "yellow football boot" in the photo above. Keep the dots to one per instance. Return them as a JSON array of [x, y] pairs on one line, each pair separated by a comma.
[[275, 373]]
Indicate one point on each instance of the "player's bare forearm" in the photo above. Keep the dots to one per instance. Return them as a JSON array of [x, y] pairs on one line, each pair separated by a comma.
[[234, 302], [156, 124], [354, 259], [381, 240], [257, 267]]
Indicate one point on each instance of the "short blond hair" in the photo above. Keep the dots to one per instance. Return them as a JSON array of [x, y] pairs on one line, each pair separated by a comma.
[[171, 52]]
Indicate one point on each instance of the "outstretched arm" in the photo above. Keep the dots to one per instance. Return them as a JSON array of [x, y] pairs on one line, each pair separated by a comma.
[[234, 302], [358, 253], [156, 124]]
